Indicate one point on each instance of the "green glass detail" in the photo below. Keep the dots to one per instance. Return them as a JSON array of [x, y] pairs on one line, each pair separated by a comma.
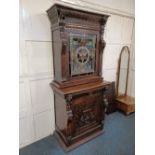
[[82, 53]]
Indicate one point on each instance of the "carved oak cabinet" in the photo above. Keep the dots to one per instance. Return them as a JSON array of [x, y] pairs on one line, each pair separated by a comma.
[[78, 44]]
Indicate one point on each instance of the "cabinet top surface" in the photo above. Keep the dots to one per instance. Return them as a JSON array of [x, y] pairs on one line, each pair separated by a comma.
[[82, 88]]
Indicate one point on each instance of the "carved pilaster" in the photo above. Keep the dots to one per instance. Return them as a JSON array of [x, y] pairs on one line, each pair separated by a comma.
[[64, 49], [70, 118], [63, 34], [102, 41]]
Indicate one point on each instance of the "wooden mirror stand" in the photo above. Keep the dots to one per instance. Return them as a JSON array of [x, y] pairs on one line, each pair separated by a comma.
[[124, 102]]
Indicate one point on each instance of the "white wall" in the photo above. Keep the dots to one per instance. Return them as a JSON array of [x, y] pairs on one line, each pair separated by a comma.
[[36, 97], [36, 70], [131, 82]]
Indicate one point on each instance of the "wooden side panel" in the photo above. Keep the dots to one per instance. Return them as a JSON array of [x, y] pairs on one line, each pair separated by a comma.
[[109, 98], [64, 54], [57, 47], [60, 113]]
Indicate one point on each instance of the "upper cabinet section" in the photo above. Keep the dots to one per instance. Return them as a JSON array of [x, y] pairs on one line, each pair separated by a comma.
[[78, 44]]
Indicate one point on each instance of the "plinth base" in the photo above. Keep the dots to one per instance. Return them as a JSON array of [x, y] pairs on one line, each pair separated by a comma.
[[78, 143]]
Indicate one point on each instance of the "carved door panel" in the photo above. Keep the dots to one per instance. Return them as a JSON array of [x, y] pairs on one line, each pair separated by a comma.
[[87, 111]]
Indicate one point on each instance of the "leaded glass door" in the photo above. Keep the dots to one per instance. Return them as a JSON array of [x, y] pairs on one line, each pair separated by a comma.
[[82, 53]]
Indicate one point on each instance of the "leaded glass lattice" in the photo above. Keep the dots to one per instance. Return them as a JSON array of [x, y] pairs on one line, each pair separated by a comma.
[[82, 53]]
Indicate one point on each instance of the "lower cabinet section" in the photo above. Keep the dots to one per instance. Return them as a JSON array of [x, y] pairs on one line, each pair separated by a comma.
[[79, 114]]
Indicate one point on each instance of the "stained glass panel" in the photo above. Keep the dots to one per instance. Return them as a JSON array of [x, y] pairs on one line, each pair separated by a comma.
[[82, 53]]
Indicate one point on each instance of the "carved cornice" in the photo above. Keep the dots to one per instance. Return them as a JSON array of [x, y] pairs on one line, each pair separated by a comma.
[[57, 13]]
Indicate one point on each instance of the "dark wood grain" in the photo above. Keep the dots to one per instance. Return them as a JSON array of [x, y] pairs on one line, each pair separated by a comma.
[[78, 112], [66, 20], [79, 100]]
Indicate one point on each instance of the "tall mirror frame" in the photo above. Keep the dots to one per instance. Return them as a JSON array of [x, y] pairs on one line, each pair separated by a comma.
[[123, 72]]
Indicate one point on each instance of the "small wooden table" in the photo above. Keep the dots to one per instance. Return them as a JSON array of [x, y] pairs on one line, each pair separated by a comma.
[[126, 104]]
